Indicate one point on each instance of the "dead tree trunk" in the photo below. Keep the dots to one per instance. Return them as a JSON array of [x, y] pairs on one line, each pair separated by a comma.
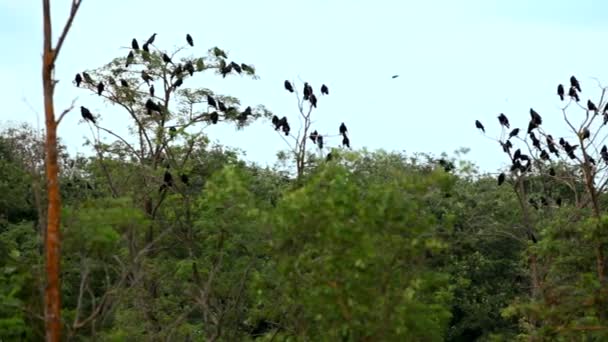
[[52, 296]]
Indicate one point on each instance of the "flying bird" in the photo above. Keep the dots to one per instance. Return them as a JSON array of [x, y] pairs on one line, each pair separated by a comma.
[[189, 39], [395, 76], [86, 114], [480, 126]]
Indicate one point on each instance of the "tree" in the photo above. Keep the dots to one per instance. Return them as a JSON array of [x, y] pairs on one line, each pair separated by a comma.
[[52, 244]]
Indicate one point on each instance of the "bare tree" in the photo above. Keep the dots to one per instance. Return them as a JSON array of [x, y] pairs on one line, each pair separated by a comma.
[[52, 237]]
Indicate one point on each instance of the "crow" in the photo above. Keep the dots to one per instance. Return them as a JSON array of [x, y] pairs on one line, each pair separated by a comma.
[[124, 83], [585, 134], [313, 100], [152, 90], [560, 91], [147, 78], [151, 39], [100, 88], [480, 126], [574, 84], [513, 133], [591, 106], [313, 136], [503, 120], [221, 106], [78, 80], [214, 116], [166, 58], [86, 114], [395, 76], [346, 141], [211, 102], [236, 67], [535, 117], [307, 91], [501, 179], [572, 93], [189, 39], [324, 90], [130, 59], [343, 129], [184, 178], [288, 86], [134, 44], [320, 141]]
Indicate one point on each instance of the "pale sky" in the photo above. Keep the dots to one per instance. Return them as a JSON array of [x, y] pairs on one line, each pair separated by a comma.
[[458, 61]]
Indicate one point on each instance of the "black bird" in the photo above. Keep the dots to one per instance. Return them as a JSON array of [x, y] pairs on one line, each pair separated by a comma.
[[147, 78], [343, 128], [178, 83], [501, 179], [190, 68], [152, 90], [324, 90], [558, 201], [574, 84], [395, 76], [552, 172], [313, 136], [282, 123], [134, 44], [288, 86], [605, 109], [544, 155], [307, 91], [184, 178], [480, 126], [535, 117], [87, 77], [286, 128], [86, 114], [214, 116], [517, 154], [320, 141], [329, 157], [221, 106], [124, 83], [591, 106], [313, 100], [560, 92], [236, 67], [572, 93], [151, 106], [535, 141], [276, 122], [189, 39], [177, 71], [146, 48], [130, 59], [211, 102], [503, 120], [514, 132], [100, 88], [532, 126], [151, 39], [346, 141], [78, 80], [166, 58]]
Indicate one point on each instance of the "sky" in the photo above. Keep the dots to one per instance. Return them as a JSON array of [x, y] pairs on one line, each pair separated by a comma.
[[458, 61]]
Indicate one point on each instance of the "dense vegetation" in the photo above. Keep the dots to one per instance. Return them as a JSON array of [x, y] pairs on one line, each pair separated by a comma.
[[166, 237]]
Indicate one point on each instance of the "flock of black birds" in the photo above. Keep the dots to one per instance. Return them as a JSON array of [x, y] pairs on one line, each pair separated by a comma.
[[522, 163], [177, 80], [314, 136], [177, 74]]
